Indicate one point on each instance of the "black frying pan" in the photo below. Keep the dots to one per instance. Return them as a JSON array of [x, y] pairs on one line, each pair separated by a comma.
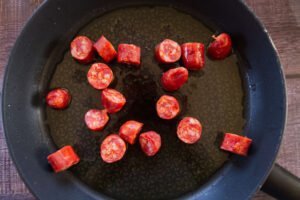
[[244, 93]]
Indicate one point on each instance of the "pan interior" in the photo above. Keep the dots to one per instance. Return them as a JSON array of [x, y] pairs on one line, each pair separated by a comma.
[[213, 95]]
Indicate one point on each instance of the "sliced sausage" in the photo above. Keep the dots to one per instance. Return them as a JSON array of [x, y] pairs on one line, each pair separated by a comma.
[[96, 119], [82, 49], [221, 47], [129, 54], [168, 51], [112, 100], [63, 159], [167, 107], [173, 79], [236, 144], [58, 98], [129, 131], [189, 130], [105, 49], [100, 76], [112, 149], [150, 142], [193, 55]]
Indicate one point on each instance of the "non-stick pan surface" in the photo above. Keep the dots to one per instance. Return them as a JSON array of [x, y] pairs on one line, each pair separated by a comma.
[[213, 95], [240, 94]]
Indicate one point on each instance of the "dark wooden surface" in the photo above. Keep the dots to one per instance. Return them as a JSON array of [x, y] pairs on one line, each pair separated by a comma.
[[282, 20]]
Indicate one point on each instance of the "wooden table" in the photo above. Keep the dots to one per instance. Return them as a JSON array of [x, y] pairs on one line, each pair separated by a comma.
[[282, 20]]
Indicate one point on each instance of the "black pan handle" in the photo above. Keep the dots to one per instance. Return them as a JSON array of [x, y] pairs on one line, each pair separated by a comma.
[[282, 185]]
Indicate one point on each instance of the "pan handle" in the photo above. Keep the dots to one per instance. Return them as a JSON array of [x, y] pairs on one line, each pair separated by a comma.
[[282, 185]]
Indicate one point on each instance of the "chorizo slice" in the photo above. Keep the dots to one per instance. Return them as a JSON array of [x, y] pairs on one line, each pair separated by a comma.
[[58, 98], [82, 49], [150, 142], [112, 100], [189, 130], [105, 49], [168, 51], [167, 107], [63, 159], [112, 149], [173, 79], [193, 55], [96, 119], [100, 76], [130, 130], [236, 144], [129, 54], [221, 47]]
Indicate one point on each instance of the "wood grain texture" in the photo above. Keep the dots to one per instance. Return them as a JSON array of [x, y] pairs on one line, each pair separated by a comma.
[[13, 16], [282, 20]]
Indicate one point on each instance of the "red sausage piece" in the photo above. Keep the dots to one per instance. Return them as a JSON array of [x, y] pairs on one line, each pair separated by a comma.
[[167, 107], [150, 142], [105, 49], [129, 131], [63, 159], [100, 76], [189, 130], [112, 100], [221, 47], [168, 51], [58, 98], [236, 144], [193, 55], [173, 79], [129, 54], [96, 119], [82, 49], [112, 149]]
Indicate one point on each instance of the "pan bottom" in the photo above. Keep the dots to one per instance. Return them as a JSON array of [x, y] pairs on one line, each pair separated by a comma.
[[213, 95]]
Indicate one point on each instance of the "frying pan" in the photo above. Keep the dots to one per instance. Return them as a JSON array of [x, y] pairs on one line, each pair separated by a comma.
[[245, 94]]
